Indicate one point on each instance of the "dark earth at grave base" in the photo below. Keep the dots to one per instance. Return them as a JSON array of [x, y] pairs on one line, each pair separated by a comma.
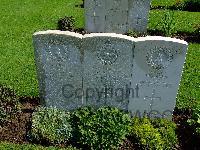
[[16, 130], [64, 24]]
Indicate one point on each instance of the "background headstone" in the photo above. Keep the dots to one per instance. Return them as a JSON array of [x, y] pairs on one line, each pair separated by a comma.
[[116, 16], [108, 62], [158, 64], [59, 67], [138, 15]]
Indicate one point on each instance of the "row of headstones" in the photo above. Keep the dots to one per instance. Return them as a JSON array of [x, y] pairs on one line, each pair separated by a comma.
[[116, 16], [139, 75]]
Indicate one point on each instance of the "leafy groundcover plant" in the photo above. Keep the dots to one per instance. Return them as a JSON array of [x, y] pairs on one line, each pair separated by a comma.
[[146, 135], [154, 134], [105, 128], [52, 125], [167, 130]]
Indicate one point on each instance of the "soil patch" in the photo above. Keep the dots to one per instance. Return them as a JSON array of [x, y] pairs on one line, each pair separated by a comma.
[[186, 134], [16, 129]]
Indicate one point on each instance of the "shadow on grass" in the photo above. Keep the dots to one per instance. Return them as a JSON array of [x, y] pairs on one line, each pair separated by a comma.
[[187, 36], [190, 8], [186, 134], [80, 5]]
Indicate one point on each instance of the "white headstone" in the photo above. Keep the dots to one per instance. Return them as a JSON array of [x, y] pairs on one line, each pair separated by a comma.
[[158, 64], [59, 66], [108, 62], [134, 74], [116, 16]]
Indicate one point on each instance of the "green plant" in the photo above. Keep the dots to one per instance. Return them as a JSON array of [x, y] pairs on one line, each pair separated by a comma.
[[66, 23], [168, 23], [195, 120], [78, 118], [146, 135], [104, 128], [51, 124], [9, 103], [167, 130]]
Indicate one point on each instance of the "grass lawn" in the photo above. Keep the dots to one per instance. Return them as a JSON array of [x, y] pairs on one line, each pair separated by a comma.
[[20, 19], [189, 91], [163, 2], [184, 21], [10, 146]]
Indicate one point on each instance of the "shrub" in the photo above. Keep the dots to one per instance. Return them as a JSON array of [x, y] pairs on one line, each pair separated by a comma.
[[66, 23], [104, 128], [52, 125], [146, 135], [167, 130], [9, 103], [195, 120], [79, 117]]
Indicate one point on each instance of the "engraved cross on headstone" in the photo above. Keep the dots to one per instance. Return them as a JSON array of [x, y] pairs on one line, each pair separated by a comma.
[[138, 19], [152, 98], [94, 15]]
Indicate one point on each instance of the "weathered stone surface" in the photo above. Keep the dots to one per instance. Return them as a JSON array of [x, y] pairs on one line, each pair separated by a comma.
[[95, 16], [116, 16], [135, 74], [59, 70], [138, 15], [158, 63], [108, 62]]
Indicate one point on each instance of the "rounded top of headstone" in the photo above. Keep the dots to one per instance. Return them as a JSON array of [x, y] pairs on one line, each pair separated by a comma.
[[58, 32], [160, 38]]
